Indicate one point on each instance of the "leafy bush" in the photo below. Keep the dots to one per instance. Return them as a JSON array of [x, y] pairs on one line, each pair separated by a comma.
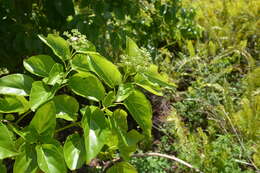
[[77, 81]]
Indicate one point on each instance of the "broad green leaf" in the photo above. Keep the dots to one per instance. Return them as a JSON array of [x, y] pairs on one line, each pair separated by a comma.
[[120, 127], [156, 78], [109, 99], [39, 65], [96, 131], [2, 167], [127, 141], [66, 107], [105, 69], [16, 84], [59, 46], [52, 141], [120, 119], [55, 75], [141, 110], [40, 94], [132, 138], [50, 159], [131, 48], [74, 151], [44, 120], [7, 145], [87, 85], [10, 104], [28, 134], [80, 63], [142, 81], [122, 167], [124, 90], [26, 162]]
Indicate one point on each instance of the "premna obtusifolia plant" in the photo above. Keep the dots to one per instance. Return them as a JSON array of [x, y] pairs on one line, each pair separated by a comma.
[[110, 92]]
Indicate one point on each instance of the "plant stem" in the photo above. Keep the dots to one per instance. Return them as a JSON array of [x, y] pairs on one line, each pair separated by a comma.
[[68, 126], [171, 157], [22, 117]]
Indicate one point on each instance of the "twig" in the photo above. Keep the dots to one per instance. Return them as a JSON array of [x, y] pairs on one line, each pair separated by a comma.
[[68, 126], [22, 117], [171, 157], [243, 162]]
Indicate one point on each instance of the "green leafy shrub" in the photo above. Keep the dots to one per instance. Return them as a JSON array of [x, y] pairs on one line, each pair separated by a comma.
[[87, 92]]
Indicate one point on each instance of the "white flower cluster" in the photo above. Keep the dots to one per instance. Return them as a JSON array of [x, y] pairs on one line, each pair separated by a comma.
[[138, 63], [76, 39]]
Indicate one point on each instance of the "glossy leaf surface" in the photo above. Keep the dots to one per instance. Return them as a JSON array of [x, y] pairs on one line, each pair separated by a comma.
[[80, 63], [96, 131], [50, 159], [87, 85], [109, 99], [26, 161], [55, 75], [7, 145], [10, 104], [44, 120], [74, 151], [105, 69], [127, 140], [40, 94], [66, 107], [39, 65], [124, 90], [16, 84], [142, 81], [141, 110], [59, 46]]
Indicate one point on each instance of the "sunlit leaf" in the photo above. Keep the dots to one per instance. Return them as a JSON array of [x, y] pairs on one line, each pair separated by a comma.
[[124, 90], [96, 131], [59, 46], [109, 99], [132, 49], [44, 120], [80, 63], [39, 65], [87, 85], [40, 94], [50, 159], [16, 84], [66, 107], [10, 104], [26, 161], [55, 75], [7, 144], [141, 110], [74, 151], [142, 81], [105, 69]]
